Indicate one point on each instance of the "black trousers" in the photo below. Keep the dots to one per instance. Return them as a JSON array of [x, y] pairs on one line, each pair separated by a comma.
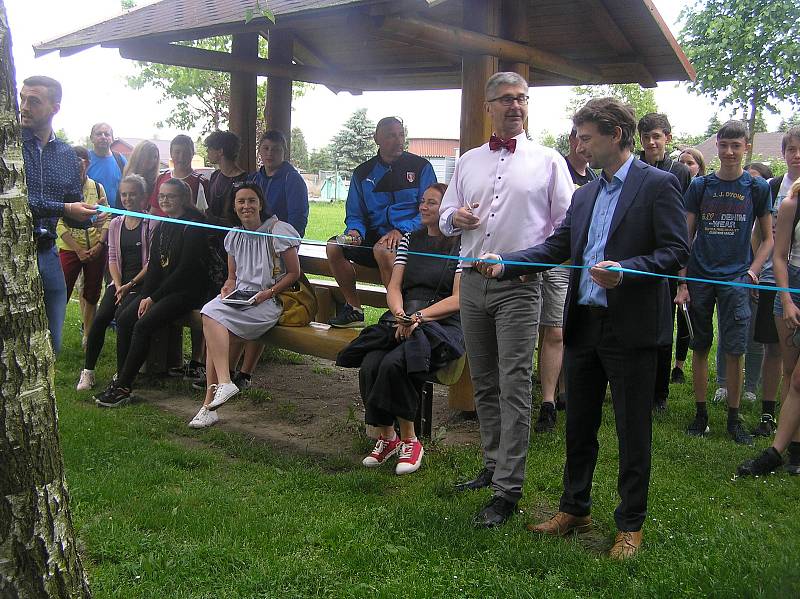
[[664, 366], [388, 391], [593, 364], [134, 333], [107, 311]]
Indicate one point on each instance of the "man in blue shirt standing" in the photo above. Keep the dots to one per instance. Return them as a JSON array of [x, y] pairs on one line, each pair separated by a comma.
[[105, 165], [52, 174], [382, 206], [631, 217]]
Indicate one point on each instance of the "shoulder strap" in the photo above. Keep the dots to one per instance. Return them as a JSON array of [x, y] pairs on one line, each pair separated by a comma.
[[703, 190], [118, 157], [97, 187], [775, 186]]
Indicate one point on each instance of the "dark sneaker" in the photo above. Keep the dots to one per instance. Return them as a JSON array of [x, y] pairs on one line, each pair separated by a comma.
[[677, 376], [767, 461], [177, 371], [497, 512], [348, 317], [561, 402], [660, 403], [698, 427], [116, 398], [195, 372], [241, 380], [481, 481], [739, 435], [767, 426], [793, 469], [547, 418]]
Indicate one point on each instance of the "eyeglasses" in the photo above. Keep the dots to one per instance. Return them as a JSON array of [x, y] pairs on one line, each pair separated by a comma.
[[522, 100], [169, 196]]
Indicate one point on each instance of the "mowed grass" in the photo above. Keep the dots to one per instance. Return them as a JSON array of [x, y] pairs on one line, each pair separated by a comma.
[[164, 511]]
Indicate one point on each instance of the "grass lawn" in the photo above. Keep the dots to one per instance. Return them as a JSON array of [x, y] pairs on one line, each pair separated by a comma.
[[166, 512]]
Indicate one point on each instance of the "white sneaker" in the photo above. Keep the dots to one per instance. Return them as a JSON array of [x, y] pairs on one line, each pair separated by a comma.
[[86, 381], [749, 396], [720, 395], [204, 419], [223, 393]]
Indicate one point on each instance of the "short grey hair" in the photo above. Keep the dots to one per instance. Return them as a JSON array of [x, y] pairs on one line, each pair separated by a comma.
[[136, 180], [503, 78]]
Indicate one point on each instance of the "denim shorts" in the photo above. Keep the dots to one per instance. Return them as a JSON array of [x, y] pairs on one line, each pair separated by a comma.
[[794, 283], [733, 308]]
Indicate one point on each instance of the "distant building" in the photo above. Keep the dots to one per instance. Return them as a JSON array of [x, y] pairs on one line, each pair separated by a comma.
[[442, 154], [766, 147]]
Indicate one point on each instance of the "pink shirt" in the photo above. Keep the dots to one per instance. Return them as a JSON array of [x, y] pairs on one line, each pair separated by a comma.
[[522, 197]]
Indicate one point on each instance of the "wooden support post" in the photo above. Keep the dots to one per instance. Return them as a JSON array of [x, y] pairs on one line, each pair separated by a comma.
[[243, 101], [482, 16], [514, 27], [278, 105]]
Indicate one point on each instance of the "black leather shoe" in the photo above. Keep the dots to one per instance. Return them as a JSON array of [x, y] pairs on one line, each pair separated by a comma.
[[496, 512], [483, 480]]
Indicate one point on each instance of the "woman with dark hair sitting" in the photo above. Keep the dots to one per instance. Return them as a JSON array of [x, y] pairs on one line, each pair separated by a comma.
[[419, 334], [254, 271], [175, 283], [129, 240]]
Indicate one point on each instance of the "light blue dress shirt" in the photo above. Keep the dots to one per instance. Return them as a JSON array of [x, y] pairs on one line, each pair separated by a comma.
[[589, 292]]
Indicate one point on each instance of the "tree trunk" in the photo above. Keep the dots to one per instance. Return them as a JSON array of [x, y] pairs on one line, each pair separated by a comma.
[[38, 553], [751, 126]]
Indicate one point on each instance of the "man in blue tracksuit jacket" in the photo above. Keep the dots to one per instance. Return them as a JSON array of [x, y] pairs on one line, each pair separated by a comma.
[[382, 206]]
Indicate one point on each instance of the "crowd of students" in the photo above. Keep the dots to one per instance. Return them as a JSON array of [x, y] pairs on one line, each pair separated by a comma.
[[414, 230]]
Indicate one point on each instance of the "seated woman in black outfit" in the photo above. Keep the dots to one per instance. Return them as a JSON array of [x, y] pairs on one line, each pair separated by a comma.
[[176, 282], [129, 240], [420, 334]]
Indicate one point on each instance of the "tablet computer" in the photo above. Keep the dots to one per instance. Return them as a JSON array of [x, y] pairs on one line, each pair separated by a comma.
[[241, 297]]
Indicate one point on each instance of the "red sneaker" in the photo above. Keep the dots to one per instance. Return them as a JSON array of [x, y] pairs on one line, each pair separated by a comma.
[[383, 450], [410, 457]]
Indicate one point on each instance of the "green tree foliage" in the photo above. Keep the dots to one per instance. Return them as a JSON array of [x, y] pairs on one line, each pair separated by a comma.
[[199, 98], [714, 125], [559, 143], [744, 52], [321, 160], [299, 149], [642, 99], [792, 121], [354, 143]]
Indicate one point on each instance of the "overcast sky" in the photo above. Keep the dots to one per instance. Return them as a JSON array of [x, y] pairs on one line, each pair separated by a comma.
[[95, 86]]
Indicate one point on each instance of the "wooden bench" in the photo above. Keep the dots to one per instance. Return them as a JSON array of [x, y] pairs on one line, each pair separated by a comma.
[[324, 341], [319, 339]]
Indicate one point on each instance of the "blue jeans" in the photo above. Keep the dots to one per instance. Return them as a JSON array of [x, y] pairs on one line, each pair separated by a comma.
[[55, 293]]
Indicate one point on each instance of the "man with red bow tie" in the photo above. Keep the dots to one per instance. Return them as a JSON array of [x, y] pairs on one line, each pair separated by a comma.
[[508, 194]]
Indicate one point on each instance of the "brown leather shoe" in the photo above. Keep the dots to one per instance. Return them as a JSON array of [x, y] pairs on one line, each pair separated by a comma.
[[562, 524], [626, 545]]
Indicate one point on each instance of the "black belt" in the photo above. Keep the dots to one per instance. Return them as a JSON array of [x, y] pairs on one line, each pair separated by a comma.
[[44, 244]]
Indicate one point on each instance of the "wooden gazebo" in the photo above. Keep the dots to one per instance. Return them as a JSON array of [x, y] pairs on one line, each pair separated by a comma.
[[361, 45]]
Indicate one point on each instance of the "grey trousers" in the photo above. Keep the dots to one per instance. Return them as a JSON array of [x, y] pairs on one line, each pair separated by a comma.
[[501, 321]]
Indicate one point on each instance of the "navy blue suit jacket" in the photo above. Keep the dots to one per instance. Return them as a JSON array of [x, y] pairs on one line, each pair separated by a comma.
[[648, 233]]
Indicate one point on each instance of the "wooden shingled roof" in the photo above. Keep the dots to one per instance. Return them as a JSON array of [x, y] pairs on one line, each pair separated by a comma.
[[376, 44]]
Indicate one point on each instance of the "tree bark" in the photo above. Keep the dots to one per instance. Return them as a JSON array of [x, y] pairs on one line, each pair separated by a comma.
[[751, 126], [38, 553]]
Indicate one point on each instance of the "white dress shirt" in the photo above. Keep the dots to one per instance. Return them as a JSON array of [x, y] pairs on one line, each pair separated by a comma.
[[521, 197]]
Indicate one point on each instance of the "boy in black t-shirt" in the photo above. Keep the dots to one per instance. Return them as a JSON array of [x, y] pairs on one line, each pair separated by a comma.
[[721, 209], [655, 133]]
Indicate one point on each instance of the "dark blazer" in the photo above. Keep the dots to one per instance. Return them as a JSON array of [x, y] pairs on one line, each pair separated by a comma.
[[648, 233]]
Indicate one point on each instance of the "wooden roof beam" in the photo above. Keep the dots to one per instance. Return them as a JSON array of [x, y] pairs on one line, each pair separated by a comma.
[[305, 53], [444, 36], [197, 58]]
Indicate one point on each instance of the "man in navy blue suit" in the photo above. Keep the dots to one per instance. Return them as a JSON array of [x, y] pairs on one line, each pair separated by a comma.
[[631, 217]]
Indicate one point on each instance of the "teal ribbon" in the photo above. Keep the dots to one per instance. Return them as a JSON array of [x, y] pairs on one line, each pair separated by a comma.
[[179, 221]]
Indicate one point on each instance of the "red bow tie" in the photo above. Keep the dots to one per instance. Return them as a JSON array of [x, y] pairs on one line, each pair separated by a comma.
[[495, 143]]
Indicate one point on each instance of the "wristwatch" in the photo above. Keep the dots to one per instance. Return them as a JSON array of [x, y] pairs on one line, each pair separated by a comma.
[[418, 316]]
